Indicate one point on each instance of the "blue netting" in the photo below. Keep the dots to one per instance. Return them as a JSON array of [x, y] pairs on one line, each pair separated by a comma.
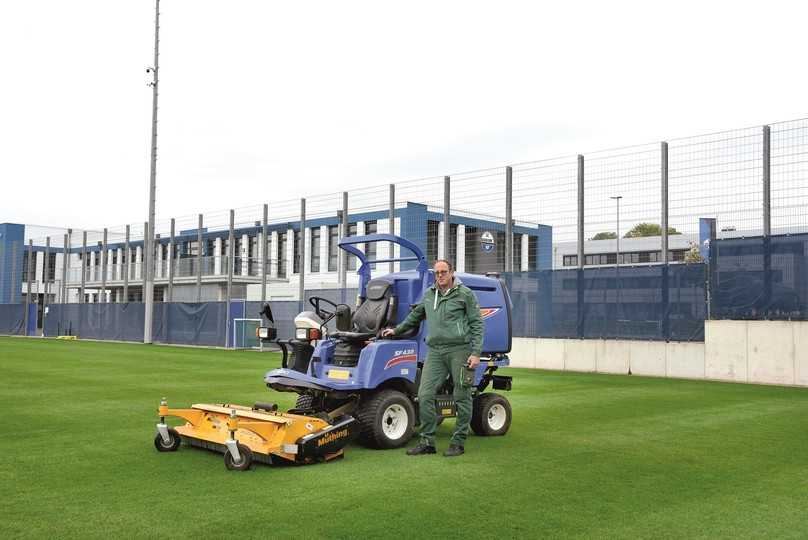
[[12, 318], [755, 278], [644, 302]]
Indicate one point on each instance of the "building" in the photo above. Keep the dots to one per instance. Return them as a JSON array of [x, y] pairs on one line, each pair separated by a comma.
[[114, 272]]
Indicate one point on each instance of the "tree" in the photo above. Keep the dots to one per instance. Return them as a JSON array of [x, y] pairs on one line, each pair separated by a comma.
[[604, 236], [693, 255], [648, 229]]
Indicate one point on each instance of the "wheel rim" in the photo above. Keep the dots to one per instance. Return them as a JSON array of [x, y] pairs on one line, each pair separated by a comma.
[[395, 421], [497, 415]]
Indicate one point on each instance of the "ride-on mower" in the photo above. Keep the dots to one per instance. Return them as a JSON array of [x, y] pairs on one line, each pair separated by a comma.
[[351, 382], [352, 370]]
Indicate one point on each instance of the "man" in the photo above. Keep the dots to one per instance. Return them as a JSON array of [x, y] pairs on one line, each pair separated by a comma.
[[455, 338]]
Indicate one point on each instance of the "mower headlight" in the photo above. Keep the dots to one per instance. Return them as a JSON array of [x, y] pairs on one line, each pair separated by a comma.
[[307, 334], [262, 332]]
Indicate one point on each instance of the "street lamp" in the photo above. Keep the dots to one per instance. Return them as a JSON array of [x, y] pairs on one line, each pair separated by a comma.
[[617, 198]]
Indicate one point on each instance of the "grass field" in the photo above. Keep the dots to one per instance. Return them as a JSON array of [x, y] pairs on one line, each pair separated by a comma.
[[587, 456]]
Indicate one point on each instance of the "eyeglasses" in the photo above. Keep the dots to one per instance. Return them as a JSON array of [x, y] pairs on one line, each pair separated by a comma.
[[441, 272]]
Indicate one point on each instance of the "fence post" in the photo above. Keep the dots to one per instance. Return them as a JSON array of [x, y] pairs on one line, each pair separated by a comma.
[[231, 261], [65, 265], [580, 271], [171, 263], [199, 260], [45, 281], [767, 221], [29, 271], [666, 326], [509, 220], [302, 258], [83, 265], [127, 255], [392, 227], [342, 254], [446, 218], [264, 255], [104, 269]]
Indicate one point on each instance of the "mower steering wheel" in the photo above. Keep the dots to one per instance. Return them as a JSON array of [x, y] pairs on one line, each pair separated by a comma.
[[322, 313]]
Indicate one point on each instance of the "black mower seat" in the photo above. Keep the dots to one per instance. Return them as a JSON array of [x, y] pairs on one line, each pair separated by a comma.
[[372, 314]]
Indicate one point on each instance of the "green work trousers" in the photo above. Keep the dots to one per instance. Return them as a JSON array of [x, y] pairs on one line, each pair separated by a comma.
[[440, 362]]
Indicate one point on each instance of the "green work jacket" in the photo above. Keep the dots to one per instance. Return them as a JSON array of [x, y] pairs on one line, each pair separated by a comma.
[[452, 319]]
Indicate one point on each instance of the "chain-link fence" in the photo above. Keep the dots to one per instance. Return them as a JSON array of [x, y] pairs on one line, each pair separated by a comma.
[[578, 226]]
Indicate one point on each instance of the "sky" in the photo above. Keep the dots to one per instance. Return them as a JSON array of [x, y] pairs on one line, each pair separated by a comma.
[[263, 101]]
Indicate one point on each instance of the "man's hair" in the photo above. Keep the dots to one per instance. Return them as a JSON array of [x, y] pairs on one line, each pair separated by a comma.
[[443, 261]]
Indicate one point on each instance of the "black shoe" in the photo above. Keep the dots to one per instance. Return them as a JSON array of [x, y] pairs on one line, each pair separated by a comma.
[[454, 450], [422, 448]]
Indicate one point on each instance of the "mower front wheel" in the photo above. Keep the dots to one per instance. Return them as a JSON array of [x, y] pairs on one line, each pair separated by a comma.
[[491, 415], [173, 443], [244, 462], [387, 419]]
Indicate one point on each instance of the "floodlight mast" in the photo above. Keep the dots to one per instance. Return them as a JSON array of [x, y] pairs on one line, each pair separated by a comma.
[[148, 235]]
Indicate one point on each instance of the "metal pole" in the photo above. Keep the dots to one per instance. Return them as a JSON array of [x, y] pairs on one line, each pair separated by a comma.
[[65, 263], [580, 211], [617, 260], [446, 228], [45, 276], [104, 268], [664, 200], [199, 260], [302, 263], [28, 278], [231, 261], [767, 202], [171, 263], [767, 219], [343, 256], [264, 254], [509, 219], [83, 265], [580, 273], [125, 267], [149, 244], [392, 227], [142, 264]]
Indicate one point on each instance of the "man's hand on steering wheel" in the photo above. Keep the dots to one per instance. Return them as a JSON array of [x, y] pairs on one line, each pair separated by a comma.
[[388, 332]]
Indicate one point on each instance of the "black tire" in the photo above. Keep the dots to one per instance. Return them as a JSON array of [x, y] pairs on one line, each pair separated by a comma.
[[243, 464], [173, 444], [486, 416], [304, 402], [377, 415]]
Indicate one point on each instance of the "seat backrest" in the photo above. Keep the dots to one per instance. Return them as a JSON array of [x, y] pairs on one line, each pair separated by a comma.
[[372, 314]]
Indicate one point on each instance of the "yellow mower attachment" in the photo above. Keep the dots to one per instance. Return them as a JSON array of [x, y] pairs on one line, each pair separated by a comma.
[[259, 433]]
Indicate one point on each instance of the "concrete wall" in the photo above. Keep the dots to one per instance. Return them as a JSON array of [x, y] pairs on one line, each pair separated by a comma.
[[763, 352]]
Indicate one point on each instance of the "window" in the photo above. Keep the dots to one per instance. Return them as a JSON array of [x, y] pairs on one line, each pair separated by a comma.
[[25, 266], [352, 258], [453, 243], [432, 241], [570, 260], [296, 253], [51, 277], [517, 252], [333, 254], [371, 227], [281, 254], [315, 249]]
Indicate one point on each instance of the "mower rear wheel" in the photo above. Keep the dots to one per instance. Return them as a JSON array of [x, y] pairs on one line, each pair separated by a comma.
[[173, 443], [491, 415], [243, 463], [387, 419]]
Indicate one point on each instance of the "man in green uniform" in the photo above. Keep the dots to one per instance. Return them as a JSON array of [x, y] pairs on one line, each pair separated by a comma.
[[455, 338]]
